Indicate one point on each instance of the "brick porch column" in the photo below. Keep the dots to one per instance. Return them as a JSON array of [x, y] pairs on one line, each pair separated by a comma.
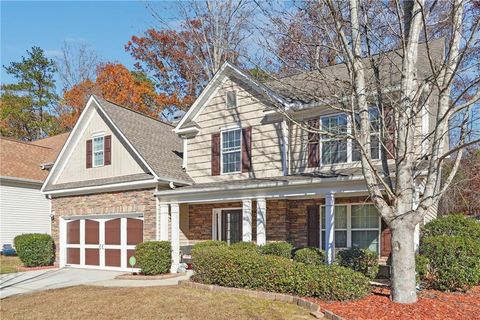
[[261, 221], [175, 225], [247, 220], [329, 227], [163, 222]]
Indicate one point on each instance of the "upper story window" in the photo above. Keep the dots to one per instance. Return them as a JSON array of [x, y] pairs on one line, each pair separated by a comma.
[[374, 116], [334, 148], [98, 151], [231, 99], [231, 151]]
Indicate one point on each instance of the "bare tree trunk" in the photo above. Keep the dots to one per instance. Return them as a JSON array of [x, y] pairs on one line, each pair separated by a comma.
[[403, 263]]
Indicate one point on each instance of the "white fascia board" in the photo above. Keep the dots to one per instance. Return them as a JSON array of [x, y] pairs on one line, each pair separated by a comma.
[[71, 136], [105, 188], [127, 141], [21, 180], [290, 192]]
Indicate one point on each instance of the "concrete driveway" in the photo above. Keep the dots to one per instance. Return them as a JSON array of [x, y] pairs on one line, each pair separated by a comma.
[[27, 282]]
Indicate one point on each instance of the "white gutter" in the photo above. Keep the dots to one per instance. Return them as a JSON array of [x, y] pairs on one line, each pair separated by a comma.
[[23, 180], [103, 188]]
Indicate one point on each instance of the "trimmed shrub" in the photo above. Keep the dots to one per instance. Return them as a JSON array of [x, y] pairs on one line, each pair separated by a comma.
[[453, 262], [154, 257], [361, 260], [421, 266], [453, 225], [228, 267], [209, 243], [35, 249], [279, 249], [251, 246], [310, 256]]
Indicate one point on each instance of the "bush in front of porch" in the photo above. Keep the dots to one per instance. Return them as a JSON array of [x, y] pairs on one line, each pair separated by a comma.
[[154, 257], [361, 260], [228, 267]]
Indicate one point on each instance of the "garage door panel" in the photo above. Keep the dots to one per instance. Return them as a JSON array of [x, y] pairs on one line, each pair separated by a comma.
[[113, 231], [92, 257], [113, 257], [92, 232], [134, 231], [73, 255], [73, 232]]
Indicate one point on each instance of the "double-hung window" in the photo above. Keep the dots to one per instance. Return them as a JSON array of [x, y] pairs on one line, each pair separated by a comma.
[[374, 116], [334, 147], [98, 151], [340, 226], [231, 151]]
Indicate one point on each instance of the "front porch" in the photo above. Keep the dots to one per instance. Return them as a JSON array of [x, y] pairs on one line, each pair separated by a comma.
[[329, 218]]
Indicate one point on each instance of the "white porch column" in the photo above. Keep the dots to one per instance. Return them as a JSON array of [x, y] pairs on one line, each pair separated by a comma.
[[247, 220], [329, 227], [175, 213], [163, 222], [261, 221]]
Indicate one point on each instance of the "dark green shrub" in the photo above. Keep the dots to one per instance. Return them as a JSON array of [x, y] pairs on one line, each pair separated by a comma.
[[279, 249], [310, 256], [209, 243], [453, 225], [453, 262], [154, 257], [228, 267], [361, 260], [35, 249], [251, 246], [421, 266]]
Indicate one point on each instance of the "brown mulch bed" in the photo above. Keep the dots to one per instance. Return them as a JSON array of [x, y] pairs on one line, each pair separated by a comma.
[[130, 276], [22, 268], [431, 305]]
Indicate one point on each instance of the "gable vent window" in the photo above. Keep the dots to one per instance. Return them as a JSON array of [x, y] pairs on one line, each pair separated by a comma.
[[231, 99], [98, 151]]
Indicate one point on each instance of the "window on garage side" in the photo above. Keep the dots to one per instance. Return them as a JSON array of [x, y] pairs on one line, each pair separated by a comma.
[[98, 151]]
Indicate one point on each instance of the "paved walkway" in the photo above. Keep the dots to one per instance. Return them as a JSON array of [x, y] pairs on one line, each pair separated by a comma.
[[31, 281]]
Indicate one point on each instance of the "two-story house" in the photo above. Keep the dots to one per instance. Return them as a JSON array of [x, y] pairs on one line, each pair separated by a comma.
[[233, 169]]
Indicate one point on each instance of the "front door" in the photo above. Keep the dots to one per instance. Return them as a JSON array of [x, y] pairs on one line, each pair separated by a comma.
[[102, 243], [313, 226], [231, 226]]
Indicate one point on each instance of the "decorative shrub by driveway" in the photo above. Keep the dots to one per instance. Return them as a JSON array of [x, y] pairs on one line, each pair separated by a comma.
[[154, 257], [449, 257], [228, 267], [35, 249]]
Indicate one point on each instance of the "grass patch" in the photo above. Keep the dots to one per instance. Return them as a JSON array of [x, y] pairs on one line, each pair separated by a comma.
[[89, 302], [8, 264]]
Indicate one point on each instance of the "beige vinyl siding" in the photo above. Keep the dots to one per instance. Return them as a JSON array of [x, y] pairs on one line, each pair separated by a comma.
[[24, 209], [122, 161], [266, 136]]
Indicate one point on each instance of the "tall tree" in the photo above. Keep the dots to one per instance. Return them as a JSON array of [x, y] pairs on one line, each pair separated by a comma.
[[77, 63], [421, 81], [32, 98], [118, 84], [183, 58]]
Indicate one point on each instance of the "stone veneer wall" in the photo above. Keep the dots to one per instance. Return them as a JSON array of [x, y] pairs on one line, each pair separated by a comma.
[[133, 201], [286, 219]]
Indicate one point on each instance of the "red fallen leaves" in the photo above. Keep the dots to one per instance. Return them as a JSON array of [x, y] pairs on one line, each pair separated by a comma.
[[431, 305]]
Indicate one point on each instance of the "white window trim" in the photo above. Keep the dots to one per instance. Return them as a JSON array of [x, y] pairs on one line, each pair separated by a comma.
[[227, 129], [226, 99], [94, 136], [349, 227], [217, 222], [349, 141]]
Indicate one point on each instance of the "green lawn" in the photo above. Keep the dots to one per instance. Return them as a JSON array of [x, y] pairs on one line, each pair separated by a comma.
[[9, 264], [89, 302]]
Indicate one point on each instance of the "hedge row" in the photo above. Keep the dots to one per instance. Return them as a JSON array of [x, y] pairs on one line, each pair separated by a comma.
[[229, 267], [35, 249]]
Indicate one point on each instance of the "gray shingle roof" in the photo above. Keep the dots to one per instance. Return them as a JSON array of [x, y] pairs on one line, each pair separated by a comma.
[[154, 140]]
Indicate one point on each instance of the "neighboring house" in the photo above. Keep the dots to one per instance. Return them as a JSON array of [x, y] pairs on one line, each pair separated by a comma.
[[232, 169], [23, 208]]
